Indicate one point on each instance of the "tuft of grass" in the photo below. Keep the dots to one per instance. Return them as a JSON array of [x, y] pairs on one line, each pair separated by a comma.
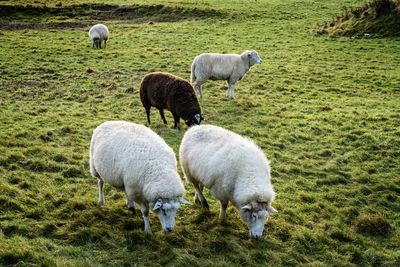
[[372, 224]]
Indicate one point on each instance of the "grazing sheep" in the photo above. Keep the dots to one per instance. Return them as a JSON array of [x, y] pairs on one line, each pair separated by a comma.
[[166, 91], [233, 168], [133, 158], [229, 67], [98, 33]]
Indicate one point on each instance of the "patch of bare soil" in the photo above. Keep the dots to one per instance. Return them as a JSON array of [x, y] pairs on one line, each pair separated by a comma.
[[21, 25]]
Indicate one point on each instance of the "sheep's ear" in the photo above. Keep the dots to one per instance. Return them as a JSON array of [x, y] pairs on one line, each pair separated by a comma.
[[157, 205], [247, 207], [271, 210], [184, 201]]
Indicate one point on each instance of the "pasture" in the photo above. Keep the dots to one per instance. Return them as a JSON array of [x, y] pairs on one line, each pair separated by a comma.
[[325, 110]]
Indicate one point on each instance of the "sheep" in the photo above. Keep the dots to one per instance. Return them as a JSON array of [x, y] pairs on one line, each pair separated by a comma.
[[166, 91], [97, 34], [229, 67], [133, 158], [233, 168]]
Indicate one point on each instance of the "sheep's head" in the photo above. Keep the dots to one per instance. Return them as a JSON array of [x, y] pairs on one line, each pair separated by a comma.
[[194, 120], [166, 211], [96, 42], [255, 214], [254, 58]]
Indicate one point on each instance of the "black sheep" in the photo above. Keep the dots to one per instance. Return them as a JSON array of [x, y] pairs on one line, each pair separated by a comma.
[[166, 91]]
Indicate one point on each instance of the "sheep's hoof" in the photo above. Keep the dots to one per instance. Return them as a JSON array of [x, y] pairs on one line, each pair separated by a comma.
[[132, 210], [205, 205], [222, 218], [197, 201]]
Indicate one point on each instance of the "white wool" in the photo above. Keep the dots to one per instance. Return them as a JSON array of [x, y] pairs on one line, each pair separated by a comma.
[[99, 31], [228, 67], [232, 167], [132, 157]]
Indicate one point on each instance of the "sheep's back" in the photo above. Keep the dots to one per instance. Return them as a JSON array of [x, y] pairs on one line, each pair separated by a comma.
[[216, 66], [121, 149], [204, 151], [154, 89], [217, 158], [99, 30], [164, 90]]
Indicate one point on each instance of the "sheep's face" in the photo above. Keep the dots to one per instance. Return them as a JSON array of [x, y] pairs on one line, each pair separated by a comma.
[[194, 120], [166, 211], [254, 58], [255, 214]]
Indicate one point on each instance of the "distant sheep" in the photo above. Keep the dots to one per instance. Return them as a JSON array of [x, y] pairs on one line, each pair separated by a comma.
[[233, 168], [166, 91], [229, 67], [133, 158], [97, 34]]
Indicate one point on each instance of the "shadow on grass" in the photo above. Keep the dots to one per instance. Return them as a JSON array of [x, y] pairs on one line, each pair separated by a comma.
[[40, 17]]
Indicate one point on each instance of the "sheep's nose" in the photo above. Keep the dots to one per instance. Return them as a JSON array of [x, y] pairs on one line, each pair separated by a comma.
[[169, 229], [260, 61]]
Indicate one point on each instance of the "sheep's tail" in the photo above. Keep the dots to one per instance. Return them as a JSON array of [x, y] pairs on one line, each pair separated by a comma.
[[93, 171], [192, 74]]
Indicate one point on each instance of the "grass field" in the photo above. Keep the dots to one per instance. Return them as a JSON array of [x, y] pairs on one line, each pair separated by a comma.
[[326, 112]]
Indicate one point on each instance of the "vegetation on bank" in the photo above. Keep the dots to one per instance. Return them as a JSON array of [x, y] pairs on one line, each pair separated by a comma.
[[377, 18]]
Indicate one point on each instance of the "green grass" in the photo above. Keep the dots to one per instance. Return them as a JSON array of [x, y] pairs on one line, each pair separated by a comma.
[[324, 110]]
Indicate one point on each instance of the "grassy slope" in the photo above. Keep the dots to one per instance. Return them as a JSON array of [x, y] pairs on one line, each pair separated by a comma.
[[325, 111]]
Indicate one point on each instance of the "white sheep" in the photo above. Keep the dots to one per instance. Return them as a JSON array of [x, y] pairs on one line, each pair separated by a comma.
[[229, 67], [233, 168], [133, 158], [97, 34]]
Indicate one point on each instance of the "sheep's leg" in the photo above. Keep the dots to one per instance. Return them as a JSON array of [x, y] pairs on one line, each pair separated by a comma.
[[176, 119], [230, 92], [197, 89], [129, 201], [100, 184], [105, 43], [131, 205], [93, 45], [144, 207], [196, 196], [203, 200], [162, 116], [148, 114], [222, 214]]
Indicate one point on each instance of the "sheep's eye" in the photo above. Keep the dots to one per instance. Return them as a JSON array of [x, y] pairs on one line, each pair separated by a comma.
[[254, 216]]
